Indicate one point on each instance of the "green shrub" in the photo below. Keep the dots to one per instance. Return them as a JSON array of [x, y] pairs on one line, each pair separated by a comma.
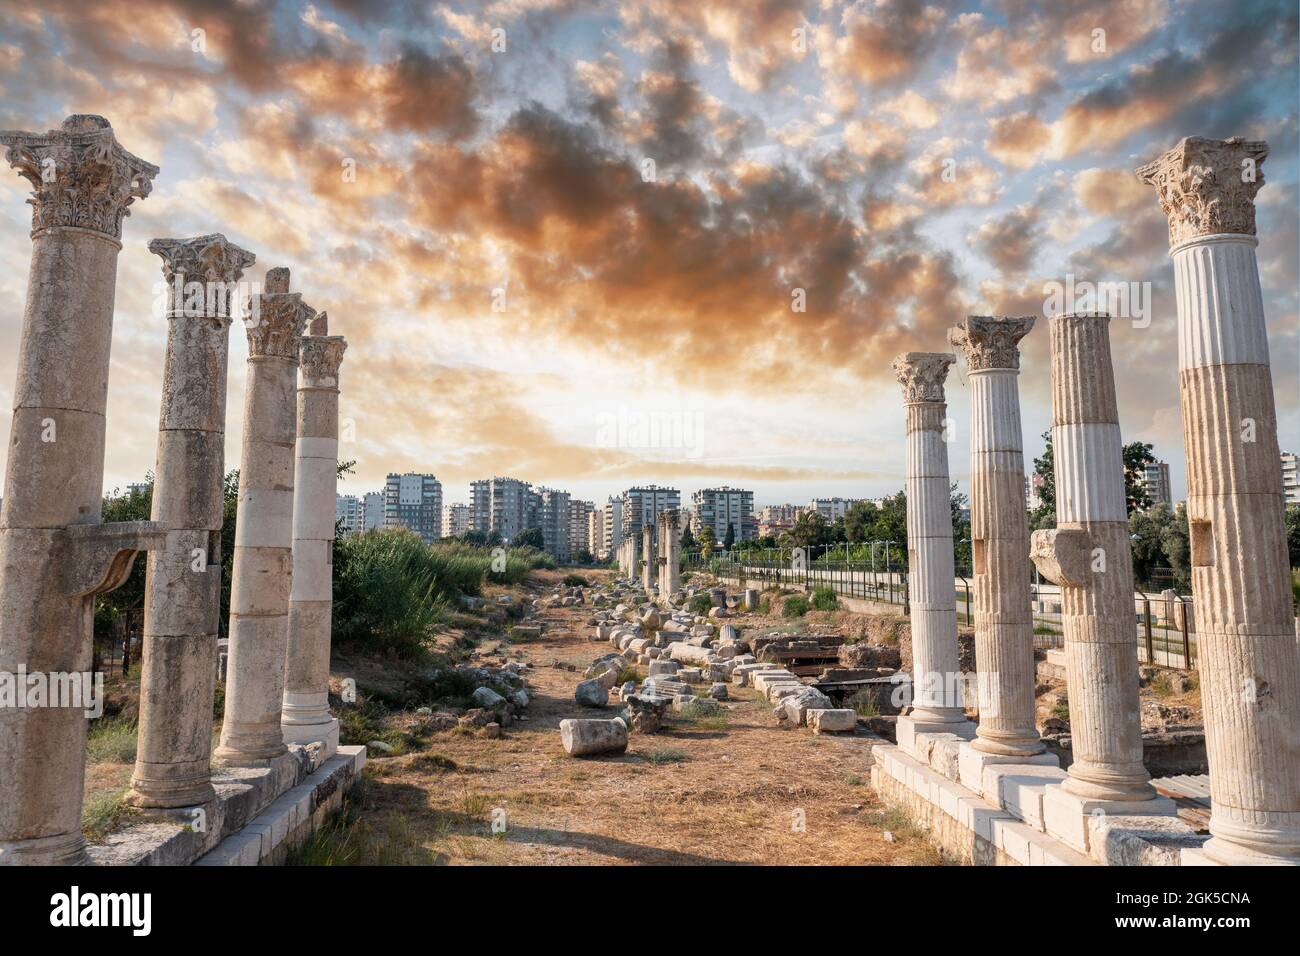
[[824, 599], [700, 605], [796, 606], [111, 740], [575, 581]]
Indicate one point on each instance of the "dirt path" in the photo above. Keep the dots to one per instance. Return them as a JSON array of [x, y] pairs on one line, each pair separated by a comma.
[[691, 794]]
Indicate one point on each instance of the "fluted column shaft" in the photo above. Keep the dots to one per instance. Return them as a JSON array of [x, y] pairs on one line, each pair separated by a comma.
[[1090, 557], [55, 556], [263, 560], [306, 716], [670, 575], [1004, 624], [182, 604], [1245, 632], [648, 556], [936, 669]]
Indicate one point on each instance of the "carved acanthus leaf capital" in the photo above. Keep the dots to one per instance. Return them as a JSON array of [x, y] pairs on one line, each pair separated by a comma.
[[1208, 186], [276, 324], [922, 375], [206, 269], [320, 358], [80, 174], [990, 341]]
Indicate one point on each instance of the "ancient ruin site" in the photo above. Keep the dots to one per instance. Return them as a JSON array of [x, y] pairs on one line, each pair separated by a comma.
[[792, 433]]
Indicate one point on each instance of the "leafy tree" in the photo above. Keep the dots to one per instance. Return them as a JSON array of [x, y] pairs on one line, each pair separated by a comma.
[[961, 538], [529, 538], [1136, 456], [688, 539], [1292, 523], [730, 539], [859, 520], [1160, 539], [810, 529], [706, 539]]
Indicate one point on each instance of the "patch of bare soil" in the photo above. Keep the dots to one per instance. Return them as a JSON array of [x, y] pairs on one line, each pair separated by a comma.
[[716, 791]]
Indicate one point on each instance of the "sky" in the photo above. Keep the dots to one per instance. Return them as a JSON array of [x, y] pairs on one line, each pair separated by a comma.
[[597, 244]]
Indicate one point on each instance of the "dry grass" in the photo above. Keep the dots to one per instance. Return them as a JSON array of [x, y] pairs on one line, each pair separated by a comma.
[[717, 793]]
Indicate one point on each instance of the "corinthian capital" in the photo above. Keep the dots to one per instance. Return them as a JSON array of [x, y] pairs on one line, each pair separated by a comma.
[[80, 175], [990, 341], [205, 269], [320, 358], [922, 375], [1208, 186], [278, 318]]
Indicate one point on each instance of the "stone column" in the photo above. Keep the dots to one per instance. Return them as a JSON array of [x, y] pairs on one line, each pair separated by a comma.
[[1245, 635], [306, 715], [1004, 624], [670, 538], [55, 555], [1089, 556], [259, 588], [182, 605], [936, 671], [648, 557]]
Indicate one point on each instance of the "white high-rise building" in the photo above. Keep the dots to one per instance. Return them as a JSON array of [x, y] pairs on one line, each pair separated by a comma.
[[455, 520], [504, 505], [723, 508], [349, 510], [611, 517], [641, 506], [1290, 478], [373, 510], [580, 513], [832, 509]]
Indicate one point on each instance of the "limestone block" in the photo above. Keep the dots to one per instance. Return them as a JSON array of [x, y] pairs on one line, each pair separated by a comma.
[[584, 737], [836, 720], [1133, 840]]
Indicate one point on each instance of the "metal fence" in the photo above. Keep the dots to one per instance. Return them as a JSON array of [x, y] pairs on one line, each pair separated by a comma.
[[1163, 627]]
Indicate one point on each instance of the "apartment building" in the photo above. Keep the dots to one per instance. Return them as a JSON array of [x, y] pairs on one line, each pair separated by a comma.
[[554, 515], [455, 520], [723, 508], [372, 510], [641, 507], [832, 509], [504, 505], [350, 512], [773, 519], [1155, 479], [611, 518], [580, 514], [1290, 478], [414, 501]]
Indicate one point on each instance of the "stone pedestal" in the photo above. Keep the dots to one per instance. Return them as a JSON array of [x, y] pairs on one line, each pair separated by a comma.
[[260, 580], [55, 556], [1245, 634], [1004, 624], [936, 672], [183, 589], [306, 717], [1089, 556]]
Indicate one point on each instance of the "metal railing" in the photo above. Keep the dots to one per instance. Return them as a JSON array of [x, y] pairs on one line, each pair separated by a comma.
[[1163, 627]]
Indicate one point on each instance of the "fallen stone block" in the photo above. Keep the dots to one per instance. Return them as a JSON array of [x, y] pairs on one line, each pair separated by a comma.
[[584, 737], [591, 693], [834, 721]]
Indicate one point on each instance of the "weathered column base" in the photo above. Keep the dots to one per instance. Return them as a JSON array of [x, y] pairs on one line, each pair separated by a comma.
[[307, 720], [171, 786], [1235, 844], [61, 849], [1068, 816]]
